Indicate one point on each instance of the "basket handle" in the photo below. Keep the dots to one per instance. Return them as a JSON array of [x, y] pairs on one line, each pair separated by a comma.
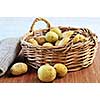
[[39, 19]]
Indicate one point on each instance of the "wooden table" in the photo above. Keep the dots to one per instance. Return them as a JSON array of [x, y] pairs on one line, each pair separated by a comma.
[[87, 75]]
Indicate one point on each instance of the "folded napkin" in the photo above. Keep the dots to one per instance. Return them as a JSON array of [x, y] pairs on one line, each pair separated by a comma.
[[9, 49]]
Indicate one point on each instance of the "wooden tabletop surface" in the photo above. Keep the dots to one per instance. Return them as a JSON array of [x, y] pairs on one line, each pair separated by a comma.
[[87, 75]]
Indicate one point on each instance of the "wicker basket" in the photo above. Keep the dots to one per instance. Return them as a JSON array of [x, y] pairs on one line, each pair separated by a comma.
[[74, 56]]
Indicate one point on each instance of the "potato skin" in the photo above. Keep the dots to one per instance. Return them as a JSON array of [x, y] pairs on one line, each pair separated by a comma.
[[57, 31], [61, 69], [41, 40], [47, 44], [78, 38], [64, 41], [33, 42], [68, 34], [19, 68], [46, 73], [51, 37], [57, 42]]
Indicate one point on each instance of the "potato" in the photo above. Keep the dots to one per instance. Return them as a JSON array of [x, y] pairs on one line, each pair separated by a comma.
[[57, 31], [57, 42], [78, 38], [41, 40], [33, 42], [47, 44], [83, 38], [51, 37], [68, 33], [64, 41], [46, 73], [61, 69], [18, 69]]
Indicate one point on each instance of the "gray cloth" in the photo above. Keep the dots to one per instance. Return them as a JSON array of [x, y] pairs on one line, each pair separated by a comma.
[[9, 48]]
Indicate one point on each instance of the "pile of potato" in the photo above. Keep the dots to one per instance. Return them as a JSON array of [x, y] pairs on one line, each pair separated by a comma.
[[56, 38], [46, 73]]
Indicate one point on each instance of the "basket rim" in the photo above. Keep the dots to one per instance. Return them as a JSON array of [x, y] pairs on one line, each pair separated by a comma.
[[24, 42]]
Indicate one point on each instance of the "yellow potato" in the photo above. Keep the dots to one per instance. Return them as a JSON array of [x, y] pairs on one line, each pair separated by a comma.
[[57, 42], [47, 44], [78, 38], [68, 33], [40, 39], [83, 38], [19, 68], [57, 31], [61, 69], [64, 41], [51, 37], [46, 73], [33, 42]]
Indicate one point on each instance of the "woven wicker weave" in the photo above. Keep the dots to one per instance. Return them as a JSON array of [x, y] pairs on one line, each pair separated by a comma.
[[74, 56]]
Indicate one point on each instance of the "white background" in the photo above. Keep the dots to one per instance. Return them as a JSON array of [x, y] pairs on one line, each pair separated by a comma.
[[45, 8]]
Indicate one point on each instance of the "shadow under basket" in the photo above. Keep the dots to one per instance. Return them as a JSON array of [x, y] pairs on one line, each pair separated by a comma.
[[74, 56]]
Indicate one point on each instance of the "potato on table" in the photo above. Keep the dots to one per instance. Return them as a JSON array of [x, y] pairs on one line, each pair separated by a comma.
[[46, 73], [19, 68]]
